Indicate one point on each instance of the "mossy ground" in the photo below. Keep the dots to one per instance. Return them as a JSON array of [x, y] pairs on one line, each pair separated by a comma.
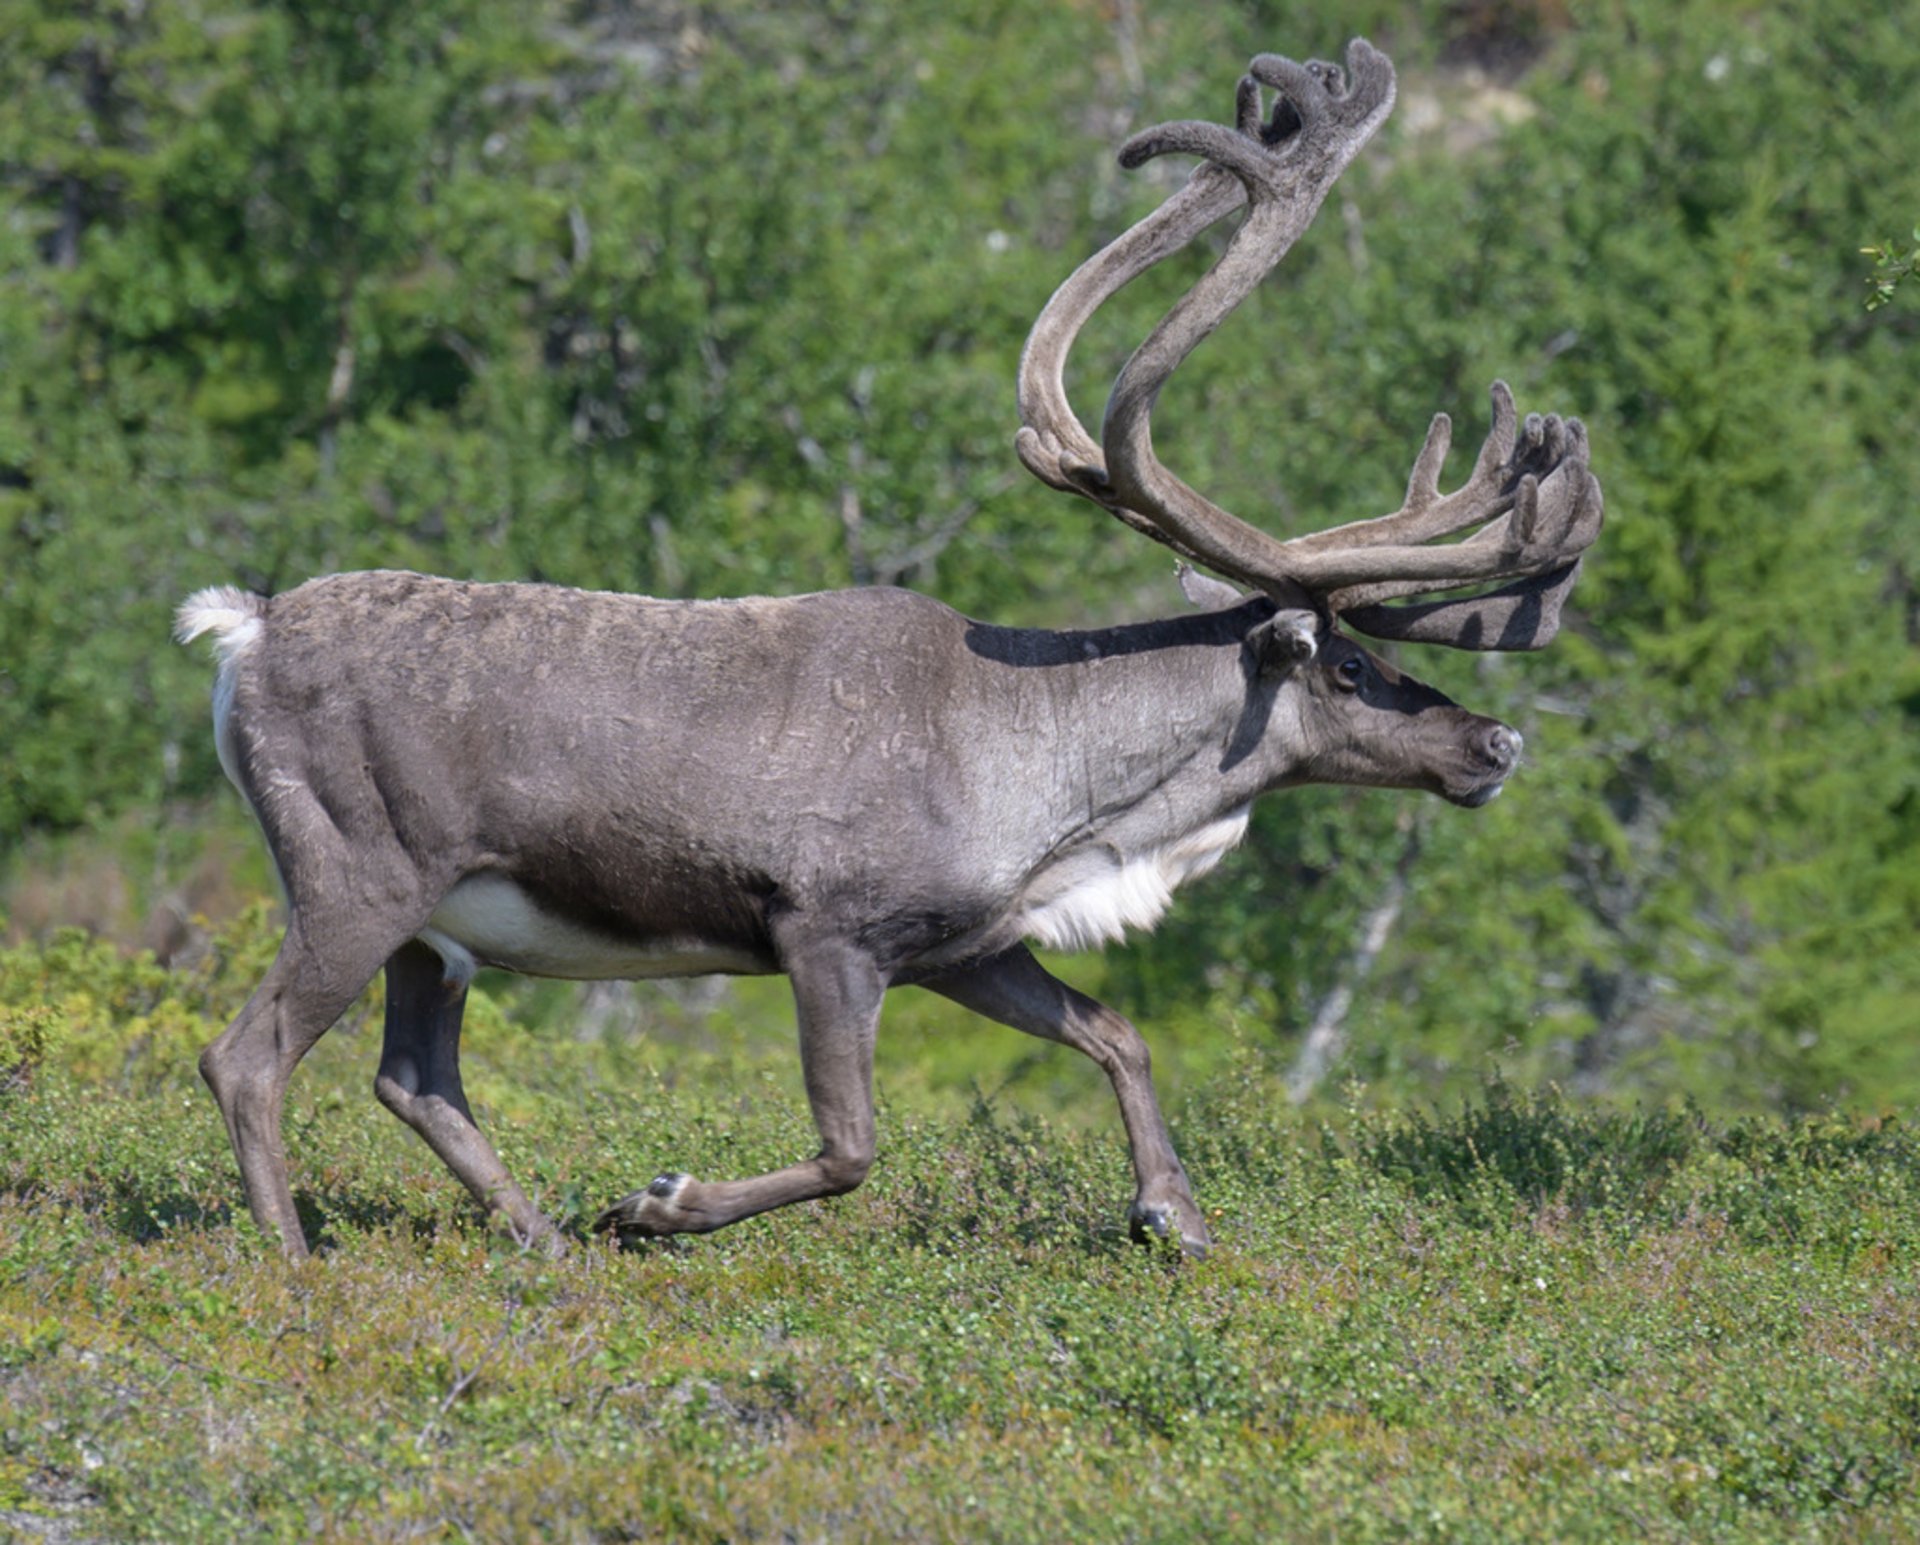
[[1518, 1318]]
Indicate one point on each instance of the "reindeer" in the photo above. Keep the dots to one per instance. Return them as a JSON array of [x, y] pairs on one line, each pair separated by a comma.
[[863, 789]]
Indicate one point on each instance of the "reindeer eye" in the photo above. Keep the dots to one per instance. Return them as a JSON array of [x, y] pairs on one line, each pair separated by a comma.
[[1351, 671]]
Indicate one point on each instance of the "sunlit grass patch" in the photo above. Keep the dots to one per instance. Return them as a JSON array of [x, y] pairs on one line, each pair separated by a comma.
[[1518, 1316]]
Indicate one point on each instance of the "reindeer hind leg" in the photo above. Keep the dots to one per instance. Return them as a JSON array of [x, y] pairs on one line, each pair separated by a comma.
[[351, 904], [419, 1081], [324, 963]]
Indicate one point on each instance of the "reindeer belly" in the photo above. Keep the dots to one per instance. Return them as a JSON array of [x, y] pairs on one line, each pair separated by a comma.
[[488, 920]]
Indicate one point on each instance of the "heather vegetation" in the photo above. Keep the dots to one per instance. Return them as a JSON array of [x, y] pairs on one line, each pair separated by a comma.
[[1521, 1318], [1598, 1217]]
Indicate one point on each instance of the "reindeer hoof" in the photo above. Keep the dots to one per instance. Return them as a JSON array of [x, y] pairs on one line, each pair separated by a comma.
[[647, 1213], [1153, 1225], [541, 1238]]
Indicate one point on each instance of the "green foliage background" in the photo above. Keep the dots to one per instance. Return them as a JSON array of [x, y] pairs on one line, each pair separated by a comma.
[[727, 298]]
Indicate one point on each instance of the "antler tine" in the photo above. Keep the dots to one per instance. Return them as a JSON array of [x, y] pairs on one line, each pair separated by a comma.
[[1537, 507], [1319, 125], [1426, 513], [1052, 442], [1522, 615]]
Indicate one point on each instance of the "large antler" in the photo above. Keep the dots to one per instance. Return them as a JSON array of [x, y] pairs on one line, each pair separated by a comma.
[[1531, 502]]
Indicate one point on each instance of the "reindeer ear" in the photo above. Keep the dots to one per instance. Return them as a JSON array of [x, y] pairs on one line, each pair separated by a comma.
[[1206, 593], [1290, 637]]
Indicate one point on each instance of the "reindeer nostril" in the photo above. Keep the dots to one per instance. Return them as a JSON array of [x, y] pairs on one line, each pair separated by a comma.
[[1500, 746]]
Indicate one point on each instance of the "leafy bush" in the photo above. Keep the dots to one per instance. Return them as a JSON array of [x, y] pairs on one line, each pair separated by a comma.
[[1532, 1149]]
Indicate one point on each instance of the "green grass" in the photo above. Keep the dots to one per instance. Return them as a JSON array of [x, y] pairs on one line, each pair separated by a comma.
[[1518, 1318]]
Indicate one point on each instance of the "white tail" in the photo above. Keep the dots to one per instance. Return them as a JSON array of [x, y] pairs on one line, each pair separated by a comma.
[[228, 612]]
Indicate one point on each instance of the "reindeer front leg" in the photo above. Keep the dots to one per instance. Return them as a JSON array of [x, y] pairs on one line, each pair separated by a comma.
[[1015, 989], [837, 992]]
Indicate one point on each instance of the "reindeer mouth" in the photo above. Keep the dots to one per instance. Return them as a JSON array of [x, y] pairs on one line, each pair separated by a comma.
[[1486, 794]]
